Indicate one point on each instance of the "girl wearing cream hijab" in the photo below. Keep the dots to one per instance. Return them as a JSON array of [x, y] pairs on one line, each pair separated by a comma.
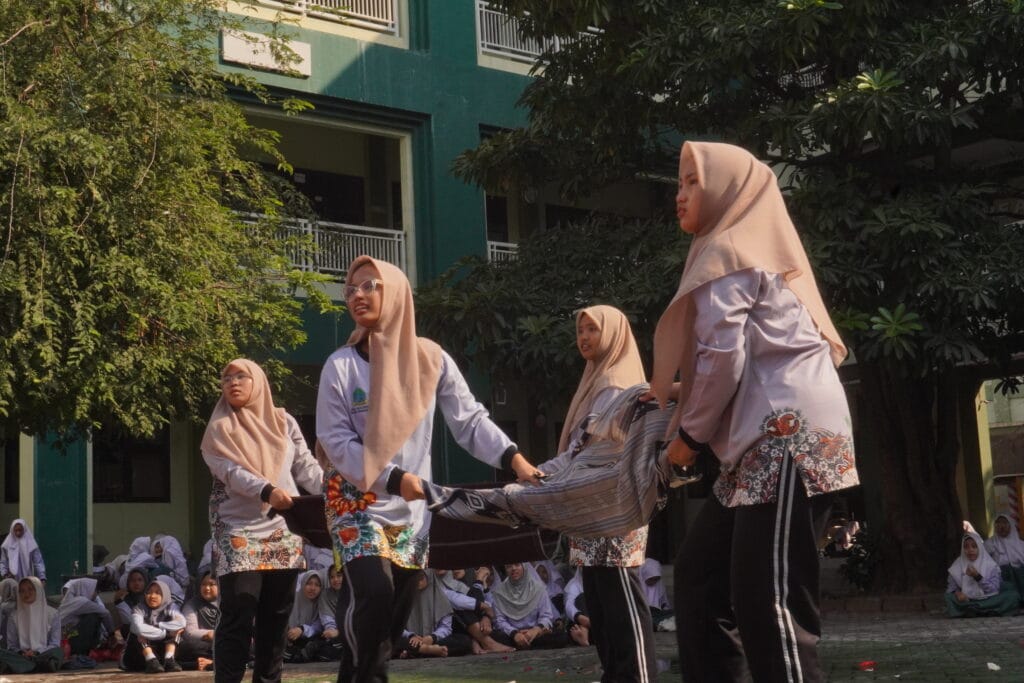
[[257, 456], [620, 622], [374, 420], [753, 347]]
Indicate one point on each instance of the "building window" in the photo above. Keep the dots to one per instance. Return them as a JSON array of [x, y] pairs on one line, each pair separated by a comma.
[[127, 469]]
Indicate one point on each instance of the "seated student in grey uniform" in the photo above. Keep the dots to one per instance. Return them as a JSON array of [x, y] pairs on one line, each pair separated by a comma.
[[131, 592], [657, 599], [523, 611], [304, 626], [157, 625], [33, 633], [333, 645], [472, 614], [202, 614], [84, 619], [1007, 549], [20, 555], [428, 633]]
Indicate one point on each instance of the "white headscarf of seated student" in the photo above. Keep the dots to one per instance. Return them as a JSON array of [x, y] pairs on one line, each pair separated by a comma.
[[327, 604], [519, 599], [555, 584], [78, 598], [8, 596], [33, 621], [171, 555], [984, 565], [1008, 550], [429, 606], [19, 550], [304, 610], [654, 592]]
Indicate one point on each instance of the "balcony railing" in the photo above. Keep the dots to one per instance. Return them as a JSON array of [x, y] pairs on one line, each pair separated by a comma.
[[498, 252], [335, 245], [375, 15], [499, 35]]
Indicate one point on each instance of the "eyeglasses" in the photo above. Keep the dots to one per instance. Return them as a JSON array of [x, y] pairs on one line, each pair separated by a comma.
[[367, 287], [237, 377]]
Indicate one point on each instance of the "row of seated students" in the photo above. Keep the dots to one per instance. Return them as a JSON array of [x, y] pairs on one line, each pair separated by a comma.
[[987, 579]]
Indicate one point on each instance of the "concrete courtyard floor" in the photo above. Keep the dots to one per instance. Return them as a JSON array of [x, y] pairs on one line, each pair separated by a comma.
[[923, 646]]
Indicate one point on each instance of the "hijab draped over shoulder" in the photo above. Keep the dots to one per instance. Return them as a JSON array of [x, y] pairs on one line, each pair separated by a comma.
[[519, 599], [19, 550], [984, 565], [617, 365], [429, 607], [404, 370], [743, 223], [256, 435], [1009, 550], [34, 620]]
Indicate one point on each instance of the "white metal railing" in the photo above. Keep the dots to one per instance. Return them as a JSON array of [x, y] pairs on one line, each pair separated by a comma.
[[375, 15], [498, 34], [502, 251], [335, 245]]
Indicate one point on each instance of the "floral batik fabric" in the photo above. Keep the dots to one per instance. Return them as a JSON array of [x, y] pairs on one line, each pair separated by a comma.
[[823, 458], [239, 549], [355, 533], [613, 551]]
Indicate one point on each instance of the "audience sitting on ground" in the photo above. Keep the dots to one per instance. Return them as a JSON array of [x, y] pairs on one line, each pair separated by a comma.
[[975, 587], [576, 610], [85, 621], [662, 616], [1007, 549], [429, 631], [523, 612], [20, 555], [157, 625], [554, 583], [333, 644], [472, 615], [304, 625], [33, 633], [202, 614]]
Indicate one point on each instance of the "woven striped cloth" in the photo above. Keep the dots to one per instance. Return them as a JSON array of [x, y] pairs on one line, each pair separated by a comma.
[[613, 485]]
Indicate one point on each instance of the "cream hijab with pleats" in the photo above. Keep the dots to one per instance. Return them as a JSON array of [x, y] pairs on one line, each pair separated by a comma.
[[617, 365], [743, 224], [404, 370], [254, 436]]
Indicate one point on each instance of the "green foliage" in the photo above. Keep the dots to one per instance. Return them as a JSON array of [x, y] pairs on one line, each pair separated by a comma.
[[127, 277], [517, 318]]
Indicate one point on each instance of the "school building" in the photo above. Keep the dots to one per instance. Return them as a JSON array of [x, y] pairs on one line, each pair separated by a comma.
[[399, 88]]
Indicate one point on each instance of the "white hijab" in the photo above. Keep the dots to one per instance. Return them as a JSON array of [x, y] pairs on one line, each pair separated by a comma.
[[19, 550], [33, 620], [555, 584], [1009, 550], [655, 595], [985, 566], [304, 610]]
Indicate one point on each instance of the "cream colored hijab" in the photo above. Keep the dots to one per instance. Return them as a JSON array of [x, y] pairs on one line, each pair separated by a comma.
[[404, 370], [256, 435], [618, 365], [743, 224]]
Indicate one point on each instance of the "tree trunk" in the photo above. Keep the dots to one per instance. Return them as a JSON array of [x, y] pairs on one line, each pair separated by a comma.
[[915, 420]]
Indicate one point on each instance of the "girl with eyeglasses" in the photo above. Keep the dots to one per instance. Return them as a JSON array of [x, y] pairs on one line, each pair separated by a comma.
[[374, 420], [257, 456], [755, 352]]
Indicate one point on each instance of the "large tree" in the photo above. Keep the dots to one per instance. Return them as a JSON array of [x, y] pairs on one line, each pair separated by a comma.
[[128, 271], [897, 131]]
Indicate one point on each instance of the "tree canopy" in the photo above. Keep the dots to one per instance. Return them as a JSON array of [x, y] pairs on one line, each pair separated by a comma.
[[129, 273], [896, 130]]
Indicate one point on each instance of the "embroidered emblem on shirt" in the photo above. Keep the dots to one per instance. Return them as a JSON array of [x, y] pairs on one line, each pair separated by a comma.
[[360, 404]]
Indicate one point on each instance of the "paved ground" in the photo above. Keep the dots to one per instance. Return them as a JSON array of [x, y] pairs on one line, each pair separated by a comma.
[[904, 647]]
